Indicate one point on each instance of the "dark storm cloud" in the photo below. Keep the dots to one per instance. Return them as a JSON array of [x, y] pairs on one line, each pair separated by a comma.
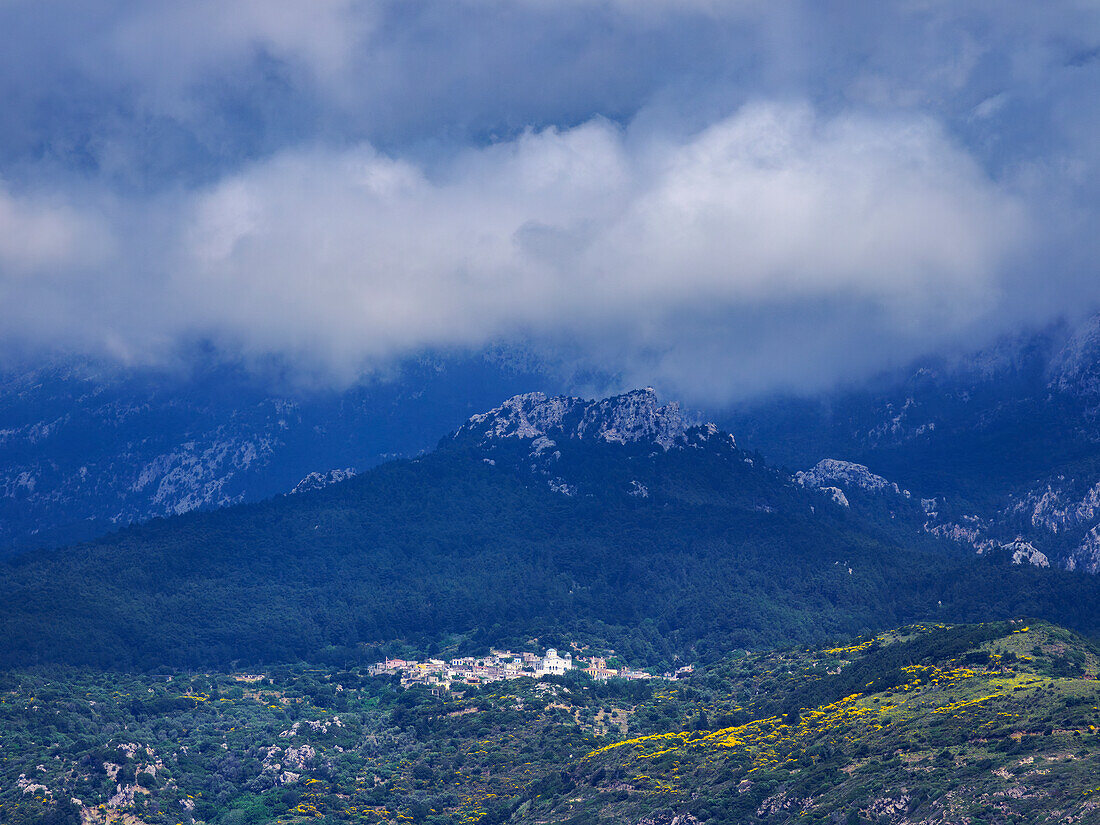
[[719, 198]]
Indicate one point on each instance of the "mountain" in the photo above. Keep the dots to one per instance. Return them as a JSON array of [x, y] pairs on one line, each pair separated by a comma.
[[848, 482], [992, 723], [87, 448], [998, 446], [1002, 447], [634, 417], [618, 521]]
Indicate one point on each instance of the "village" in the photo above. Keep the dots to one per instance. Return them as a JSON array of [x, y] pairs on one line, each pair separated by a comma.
[[504, 664]]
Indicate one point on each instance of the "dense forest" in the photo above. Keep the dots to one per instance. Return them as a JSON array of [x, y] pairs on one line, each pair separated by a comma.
[[721, 552]]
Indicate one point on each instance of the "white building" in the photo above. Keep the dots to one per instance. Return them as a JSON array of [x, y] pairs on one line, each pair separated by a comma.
[[554, 665]]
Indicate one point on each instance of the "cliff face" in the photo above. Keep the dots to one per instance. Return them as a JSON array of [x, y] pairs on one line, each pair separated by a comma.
[[548, 436]]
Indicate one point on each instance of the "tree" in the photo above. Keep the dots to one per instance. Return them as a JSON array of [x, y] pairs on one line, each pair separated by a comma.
[[701, 721]]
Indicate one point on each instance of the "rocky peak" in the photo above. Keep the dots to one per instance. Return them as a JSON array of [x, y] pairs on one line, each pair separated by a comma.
[[1086, 556], [530, 416], [1025, 552], [847, 475], [636, 416]]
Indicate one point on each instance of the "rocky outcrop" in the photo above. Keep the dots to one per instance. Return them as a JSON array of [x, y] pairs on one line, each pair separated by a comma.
[[972, 532], [317, 481], [544, 426], [1076, 368], [1055, 506], [1068, 510], [636, 416], [633, 417], [846, 475], [1086, 556], [530, 415], [668, 817], [837, 495], [300, 757], [1024, 552]]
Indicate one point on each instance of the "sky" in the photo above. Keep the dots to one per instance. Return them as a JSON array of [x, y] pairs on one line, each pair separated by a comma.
[[720, 199]]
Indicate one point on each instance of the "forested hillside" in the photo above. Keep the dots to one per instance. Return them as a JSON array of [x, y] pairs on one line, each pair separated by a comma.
[[485, 539], [89, 447]]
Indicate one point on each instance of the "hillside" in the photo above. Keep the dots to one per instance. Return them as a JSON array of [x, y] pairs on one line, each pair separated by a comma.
[[970, 724], [617, 521], [994, 723], [87, 448], [1001, 445]]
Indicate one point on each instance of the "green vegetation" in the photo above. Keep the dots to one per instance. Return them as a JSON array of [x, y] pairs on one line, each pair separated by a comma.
[[724, 552], [993, 723], [952, 724], [145, 675]]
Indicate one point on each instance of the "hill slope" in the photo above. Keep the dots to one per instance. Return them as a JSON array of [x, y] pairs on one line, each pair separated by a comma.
[[1002, 445], [615, 520], [995, 723], [978, 724]]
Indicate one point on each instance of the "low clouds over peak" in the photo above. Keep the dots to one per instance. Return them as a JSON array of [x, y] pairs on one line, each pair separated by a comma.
[[720, 199]]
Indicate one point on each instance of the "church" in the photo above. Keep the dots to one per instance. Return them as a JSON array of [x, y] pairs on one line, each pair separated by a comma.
[[554, 665]]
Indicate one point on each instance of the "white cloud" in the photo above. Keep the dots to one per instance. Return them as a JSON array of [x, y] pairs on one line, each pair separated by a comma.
[[167, 46], [594, 236], [757, 194], [41, 234]]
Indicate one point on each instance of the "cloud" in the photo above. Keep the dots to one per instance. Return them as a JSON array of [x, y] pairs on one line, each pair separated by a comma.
[[717, 198], [596, 235], [39, 235]]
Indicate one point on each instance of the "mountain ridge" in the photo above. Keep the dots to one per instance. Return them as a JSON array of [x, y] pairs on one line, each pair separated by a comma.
[[1006, 437], [657, 552], [633, 416]]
